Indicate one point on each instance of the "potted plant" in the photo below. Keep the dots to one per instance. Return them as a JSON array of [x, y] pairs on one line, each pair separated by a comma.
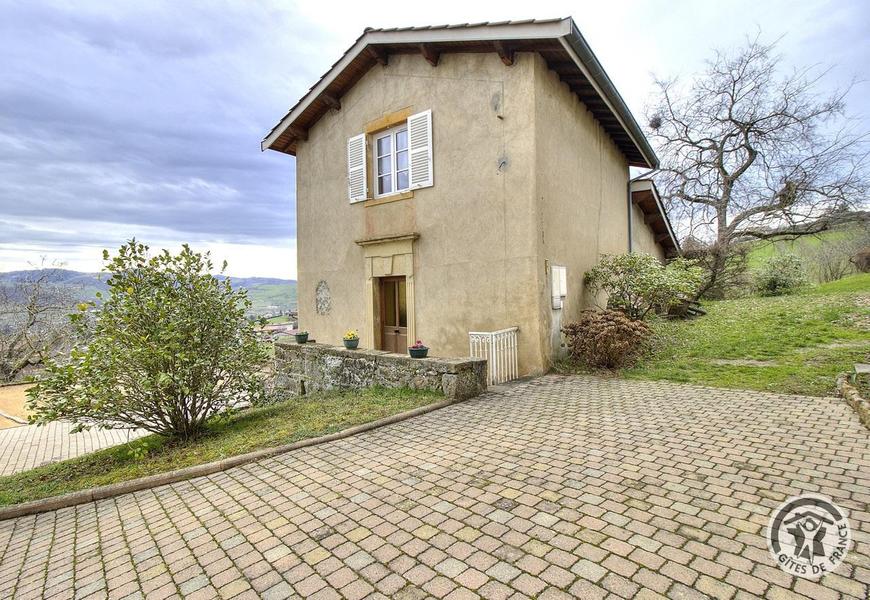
[[351, 339], [418, 350], [301, 337]]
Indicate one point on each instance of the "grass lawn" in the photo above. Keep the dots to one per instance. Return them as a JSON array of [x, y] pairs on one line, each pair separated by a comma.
[[253, 429], [790, 344]]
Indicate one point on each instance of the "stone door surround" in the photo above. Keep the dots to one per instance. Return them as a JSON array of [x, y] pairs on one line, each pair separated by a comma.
[[388, 256]]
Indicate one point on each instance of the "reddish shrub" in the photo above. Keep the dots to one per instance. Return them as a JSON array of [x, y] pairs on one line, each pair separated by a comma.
[[606, 339]]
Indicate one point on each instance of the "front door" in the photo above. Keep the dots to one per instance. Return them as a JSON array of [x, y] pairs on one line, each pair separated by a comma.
[[394, 315]]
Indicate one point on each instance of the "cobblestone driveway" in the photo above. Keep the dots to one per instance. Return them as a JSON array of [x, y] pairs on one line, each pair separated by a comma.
[[556, 488]]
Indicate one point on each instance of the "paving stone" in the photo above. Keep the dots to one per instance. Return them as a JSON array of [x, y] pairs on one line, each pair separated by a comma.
[[557, 576], [471, 579], [619, 565], [589, 570], [495, 590], [528, 585], [451, 567], [653, 581], [619, 585], [439, 586], [503, 571], [715, 589], [815, 590]]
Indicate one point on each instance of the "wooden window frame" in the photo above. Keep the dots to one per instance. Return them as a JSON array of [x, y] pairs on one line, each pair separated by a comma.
[[391, 133]]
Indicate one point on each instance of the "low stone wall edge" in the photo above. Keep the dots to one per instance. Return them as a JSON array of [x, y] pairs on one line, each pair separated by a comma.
[[300, 368]]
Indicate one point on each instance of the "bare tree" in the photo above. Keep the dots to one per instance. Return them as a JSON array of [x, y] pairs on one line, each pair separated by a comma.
[[832, 258], [33, 321], [749, 153]]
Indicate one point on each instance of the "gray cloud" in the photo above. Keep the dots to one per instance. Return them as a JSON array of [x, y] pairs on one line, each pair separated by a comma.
[[145, 115]]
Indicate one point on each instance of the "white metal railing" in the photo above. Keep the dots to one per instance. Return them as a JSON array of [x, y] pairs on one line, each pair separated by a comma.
[[499, 348]]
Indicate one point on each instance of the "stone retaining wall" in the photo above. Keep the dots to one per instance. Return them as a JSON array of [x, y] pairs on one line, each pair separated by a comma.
[[853, 398], [301, 368]]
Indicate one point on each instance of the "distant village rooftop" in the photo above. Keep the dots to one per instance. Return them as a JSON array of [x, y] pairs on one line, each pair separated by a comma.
[[558, 41]]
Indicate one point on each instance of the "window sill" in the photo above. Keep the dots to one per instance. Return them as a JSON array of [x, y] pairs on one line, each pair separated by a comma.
[[390, 198]]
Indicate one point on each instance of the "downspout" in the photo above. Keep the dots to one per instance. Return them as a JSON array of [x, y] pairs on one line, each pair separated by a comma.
[[628, 202]]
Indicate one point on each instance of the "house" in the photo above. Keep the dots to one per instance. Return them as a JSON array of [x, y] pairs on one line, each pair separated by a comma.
[[461, 179]]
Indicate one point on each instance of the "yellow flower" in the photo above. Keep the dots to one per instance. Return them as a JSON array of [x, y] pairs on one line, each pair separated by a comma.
[[351, 334]]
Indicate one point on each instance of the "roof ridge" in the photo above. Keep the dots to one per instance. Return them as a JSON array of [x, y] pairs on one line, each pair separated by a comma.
[[466, 25]]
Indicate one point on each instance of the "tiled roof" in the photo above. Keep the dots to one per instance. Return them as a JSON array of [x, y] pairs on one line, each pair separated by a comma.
[[558, 40]]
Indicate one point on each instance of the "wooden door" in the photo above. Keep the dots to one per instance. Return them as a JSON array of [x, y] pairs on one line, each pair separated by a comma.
[[394, 315]]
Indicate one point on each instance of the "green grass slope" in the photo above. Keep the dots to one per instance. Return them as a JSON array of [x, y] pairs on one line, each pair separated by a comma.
[[791, 344]]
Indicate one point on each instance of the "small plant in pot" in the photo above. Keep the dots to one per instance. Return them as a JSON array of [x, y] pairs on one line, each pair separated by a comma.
[[301, 337], [351, 339], [418, 350]]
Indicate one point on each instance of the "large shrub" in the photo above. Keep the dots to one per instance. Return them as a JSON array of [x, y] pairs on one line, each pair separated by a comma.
[[781, 274], [170, 348], [606, 339], [638, 283]]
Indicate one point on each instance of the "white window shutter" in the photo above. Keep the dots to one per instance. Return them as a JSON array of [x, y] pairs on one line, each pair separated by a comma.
[[420, 149], [356, 168]]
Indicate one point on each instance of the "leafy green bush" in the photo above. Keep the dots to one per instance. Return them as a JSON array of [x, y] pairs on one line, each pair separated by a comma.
[[606, 339], [169, 348], [781, 274], [638, 283]]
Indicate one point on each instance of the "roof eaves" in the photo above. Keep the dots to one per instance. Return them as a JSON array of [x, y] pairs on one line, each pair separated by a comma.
[[646, 183], [312, 92], [587, 60]]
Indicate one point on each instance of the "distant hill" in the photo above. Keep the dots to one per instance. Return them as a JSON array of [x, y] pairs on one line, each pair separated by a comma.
[[59, 276], [268, 294], [248, 282]]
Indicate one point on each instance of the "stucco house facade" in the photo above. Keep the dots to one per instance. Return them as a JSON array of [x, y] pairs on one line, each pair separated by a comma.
[[463, 178]]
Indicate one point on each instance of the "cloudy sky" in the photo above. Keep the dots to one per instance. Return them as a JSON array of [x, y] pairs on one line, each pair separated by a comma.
[[122, 119]]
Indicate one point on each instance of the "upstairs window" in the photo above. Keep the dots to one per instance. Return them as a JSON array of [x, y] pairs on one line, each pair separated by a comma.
[[391, 161], [400, 159]]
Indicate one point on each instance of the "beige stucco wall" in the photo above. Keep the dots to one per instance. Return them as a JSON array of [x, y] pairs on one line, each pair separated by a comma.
[[475, 261], [643, 237], [581, 198], [524, 177]]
